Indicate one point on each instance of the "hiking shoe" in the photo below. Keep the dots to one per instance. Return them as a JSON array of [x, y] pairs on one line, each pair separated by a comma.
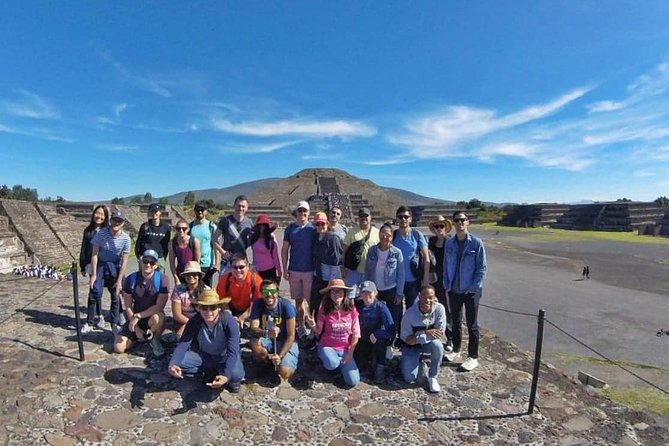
[[448, 347], [452, 356], [86, 328], [157, 347], [148, 335], [380, 374], [389, 353], [433, 385], [234, 387], [470, 364], [100, 324]]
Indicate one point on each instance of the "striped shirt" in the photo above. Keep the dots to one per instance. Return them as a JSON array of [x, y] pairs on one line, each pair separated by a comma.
[[111, 248]]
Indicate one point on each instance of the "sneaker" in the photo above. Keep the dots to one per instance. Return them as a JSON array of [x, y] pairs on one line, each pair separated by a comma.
[[448, 347], [234, 387], [100, 324], [116, 329], [86, 329], [380, 374], [122, 319], [157, 347], [148, 335], [389, 353], [452, 356], [470, 364], [433, 385]]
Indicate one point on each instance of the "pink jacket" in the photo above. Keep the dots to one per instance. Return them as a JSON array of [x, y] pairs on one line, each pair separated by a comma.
[[337, 328]]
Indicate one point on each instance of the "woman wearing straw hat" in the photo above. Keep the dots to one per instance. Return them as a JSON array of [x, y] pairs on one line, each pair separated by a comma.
[[184, 294], [265, 249], [338, 330], [440, 227], [218, 356]]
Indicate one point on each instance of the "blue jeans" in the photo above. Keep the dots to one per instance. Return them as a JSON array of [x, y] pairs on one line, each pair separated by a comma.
[[411, 357], [95, 297], [289, 361], [331, 359], [194, 363], [353, 279]]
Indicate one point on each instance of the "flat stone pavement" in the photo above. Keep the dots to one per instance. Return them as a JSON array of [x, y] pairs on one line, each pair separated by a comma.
[[49, 397]]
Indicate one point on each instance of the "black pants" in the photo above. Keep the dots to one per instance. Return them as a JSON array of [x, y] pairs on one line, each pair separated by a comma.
[[366, 353], [471, 303], [443, 299]]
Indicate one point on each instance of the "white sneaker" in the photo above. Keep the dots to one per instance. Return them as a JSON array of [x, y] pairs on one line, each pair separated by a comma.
[[302, 331], [470, 364], [389, 353], [448, 348], [433, 385], [452, 356], [86, 329], [100, 324]]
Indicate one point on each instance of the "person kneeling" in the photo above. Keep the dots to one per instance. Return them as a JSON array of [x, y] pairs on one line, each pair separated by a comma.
[[273, 326], [338, 330], [144, 299], [215, 332], [377, 328], [422, 331]]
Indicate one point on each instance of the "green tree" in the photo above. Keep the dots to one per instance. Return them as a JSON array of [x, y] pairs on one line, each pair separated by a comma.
[[59, 199], [117, 200], [23, 193], [623, 200], [189, 199], [475, 203], [662, 201], [461, 204], [163, 201], [136, 199], [5, 192], [148, 198]]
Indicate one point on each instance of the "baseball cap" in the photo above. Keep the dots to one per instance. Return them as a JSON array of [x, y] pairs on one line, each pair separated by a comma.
[[150, 254], [364, 212], [118, 215], [154, 207], [368, 285], [302, 205]]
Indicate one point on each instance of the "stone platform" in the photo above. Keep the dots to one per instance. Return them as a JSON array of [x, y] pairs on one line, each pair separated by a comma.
[[48, 397]]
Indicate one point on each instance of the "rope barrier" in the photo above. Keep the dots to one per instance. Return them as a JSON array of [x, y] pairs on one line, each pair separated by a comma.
[[504, 310]]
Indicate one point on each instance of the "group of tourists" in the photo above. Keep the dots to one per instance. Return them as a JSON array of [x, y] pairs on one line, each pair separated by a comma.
[[39, 271], [361, 294]]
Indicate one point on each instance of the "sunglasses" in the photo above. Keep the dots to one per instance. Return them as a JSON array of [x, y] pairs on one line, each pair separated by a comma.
[[191, 275], [180, 229], [238, 267], [208, 307], [439, 226], [148, 262], [336, 213], [460, 220], [269, 292], [403, 217], [321, 224]]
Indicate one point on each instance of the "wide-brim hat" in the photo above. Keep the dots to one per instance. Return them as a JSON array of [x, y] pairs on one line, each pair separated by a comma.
[[210, 298], [335, 284], [191, 268], [441, 219], [263, 219]]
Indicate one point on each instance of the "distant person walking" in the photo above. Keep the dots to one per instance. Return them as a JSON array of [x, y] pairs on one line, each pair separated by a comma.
[[235, 230], [154, 234], [585, 268], [465, 268], [587, 272]]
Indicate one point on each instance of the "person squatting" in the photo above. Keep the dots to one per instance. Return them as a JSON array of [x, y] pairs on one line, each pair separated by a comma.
[[361, 297]]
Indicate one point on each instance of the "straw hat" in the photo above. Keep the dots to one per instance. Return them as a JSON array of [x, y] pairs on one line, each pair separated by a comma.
[[335, 284], [192, 267], [209, 298], [441, 219]]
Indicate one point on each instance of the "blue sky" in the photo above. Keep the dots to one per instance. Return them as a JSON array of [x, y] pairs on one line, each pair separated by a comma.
[[520, 101]]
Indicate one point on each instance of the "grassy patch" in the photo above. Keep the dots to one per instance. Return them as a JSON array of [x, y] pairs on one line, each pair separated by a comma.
[[566, 357], [641, 399], [563, 235]]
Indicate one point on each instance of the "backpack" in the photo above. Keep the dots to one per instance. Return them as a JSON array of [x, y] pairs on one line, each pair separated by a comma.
[[354, 252], [156, 281]]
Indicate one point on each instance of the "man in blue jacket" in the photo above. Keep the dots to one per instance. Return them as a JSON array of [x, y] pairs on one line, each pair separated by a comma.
[[464, 271]]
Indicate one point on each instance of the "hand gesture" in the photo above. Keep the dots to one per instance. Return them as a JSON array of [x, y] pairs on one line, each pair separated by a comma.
[[175, 371], [273, 332], [309, 320], [218, 382]]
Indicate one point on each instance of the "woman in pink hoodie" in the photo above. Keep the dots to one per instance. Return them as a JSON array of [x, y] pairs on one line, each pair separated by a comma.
[[338, 330]]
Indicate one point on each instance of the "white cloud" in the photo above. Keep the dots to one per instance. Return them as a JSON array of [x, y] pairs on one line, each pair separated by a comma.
[[118, 148], [143, 82], [257, 148], [36, 133], [643, 174], [30, 105], [605, 106], [115, 119], [315, 129]]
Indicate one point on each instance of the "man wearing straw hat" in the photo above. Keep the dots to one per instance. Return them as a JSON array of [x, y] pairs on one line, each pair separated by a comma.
[[217, 358]]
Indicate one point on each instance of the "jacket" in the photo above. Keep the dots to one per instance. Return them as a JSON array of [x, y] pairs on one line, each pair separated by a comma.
[[393, 272], [473, 265]]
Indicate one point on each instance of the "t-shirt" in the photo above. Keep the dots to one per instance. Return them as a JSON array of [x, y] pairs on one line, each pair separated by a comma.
[[145, 295], [337, 328], [235, 233], [379, 271], [301, 240], [265, 259], [111, 248], [277, 316], [153, 237], [356, 234], [203, 233], [181, 294], [239, 292], [409, 246]]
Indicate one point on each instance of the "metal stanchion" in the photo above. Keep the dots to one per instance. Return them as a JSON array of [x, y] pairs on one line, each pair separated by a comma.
[[75, 287], [537, 360]]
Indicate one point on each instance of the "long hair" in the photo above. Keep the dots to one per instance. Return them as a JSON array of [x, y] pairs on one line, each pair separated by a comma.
[[267, 234], [92, 226], [328, 305]]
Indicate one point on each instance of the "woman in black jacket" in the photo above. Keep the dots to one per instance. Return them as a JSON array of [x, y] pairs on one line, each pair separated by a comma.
[[99, 219]]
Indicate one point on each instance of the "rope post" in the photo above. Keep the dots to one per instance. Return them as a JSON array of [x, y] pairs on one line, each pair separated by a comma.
[[537, 360], [75, 289]]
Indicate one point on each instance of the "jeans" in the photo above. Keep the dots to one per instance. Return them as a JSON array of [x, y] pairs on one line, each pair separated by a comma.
[[194, 363], [95, 297], [411, 358], [388, 296], [331, 359], [442, 297], [353, 279], [471, 303]]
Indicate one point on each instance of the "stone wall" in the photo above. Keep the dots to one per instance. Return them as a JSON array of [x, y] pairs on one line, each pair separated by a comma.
[[66, 228], [12, 252], [36, 235]]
